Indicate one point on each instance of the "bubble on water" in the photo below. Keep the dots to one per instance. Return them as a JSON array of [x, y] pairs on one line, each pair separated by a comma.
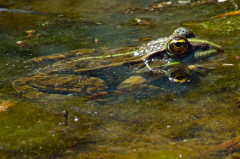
[[76, 119]]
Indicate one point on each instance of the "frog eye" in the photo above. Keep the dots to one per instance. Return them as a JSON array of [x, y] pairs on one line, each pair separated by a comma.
[[178, 46], [179, 76]]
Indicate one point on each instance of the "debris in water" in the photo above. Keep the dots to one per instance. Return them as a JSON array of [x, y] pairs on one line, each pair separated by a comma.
[[66, 117], [6, 105], [222, 0], [146, 39], [30, 33], [237, 12], [141, 21], [228, 64]]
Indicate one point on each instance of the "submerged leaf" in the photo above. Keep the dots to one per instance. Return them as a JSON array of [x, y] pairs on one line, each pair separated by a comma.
[[237, 12]]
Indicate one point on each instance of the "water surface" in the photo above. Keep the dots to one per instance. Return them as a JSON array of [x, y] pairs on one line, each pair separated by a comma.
[[167, 125]]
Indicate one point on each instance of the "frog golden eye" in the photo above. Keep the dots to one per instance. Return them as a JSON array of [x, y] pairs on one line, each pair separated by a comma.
[[179, 76], [178, 46]]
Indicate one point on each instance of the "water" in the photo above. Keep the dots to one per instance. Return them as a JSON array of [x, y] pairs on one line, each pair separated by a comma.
[[167, 125]]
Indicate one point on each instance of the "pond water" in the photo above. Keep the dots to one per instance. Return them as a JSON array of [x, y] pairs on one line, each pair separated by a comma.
[[192, 124]]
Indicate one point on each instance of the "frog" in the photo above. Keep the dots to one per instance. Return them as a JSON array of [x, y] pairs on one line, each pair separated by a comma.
[[89, 72]]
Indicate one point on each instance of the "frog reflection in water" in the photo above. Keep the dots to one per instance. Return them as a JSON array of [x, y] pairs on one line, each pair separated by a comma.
[[89, 71]]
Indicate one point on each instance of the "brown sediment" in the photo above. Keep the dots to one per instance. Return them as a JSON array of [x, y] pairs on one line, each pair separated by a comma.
[[227, 147]]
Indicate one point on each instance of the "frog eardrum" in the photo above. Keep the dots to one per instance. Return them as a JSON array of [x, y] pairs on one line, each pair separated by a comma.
[[177, 47]]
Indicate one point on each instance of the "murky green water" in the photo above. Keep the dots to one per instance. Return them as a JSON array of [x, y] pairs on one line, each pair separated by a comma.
[[168, 125]]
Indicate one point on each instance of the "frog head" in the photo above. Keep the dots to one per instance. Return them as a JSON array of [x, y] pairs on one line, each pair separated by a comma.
[[181, 49], [190, 49]]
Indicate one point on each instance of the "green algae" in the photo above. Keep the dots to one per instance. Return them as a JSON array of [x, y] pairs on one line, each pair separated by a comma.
[[34, 132]]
